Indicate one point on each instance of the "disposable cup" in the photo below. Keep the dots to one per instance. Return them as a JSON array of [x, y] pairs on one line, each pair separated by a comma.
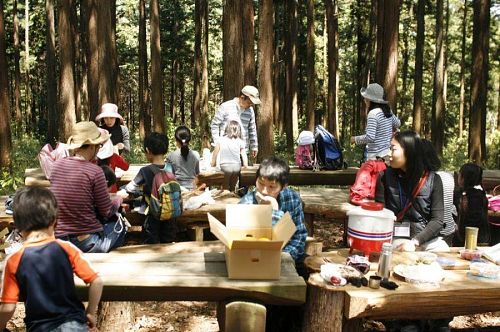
[[471, 237]]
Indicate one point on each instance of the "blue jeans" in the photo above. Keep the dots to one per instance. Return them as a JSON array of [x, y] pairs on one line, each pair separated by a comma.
[[111, 237], [71, 326]]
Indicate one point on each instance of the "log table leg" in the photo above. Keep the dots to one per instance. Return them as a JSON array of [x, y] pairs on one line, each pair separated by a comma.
[[324, 309]]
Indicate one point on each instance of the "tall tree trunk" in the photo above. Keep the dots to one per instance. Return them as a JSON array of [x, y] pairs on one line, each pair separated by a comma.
[[406, 59], [77, 65], [479, 81], [461, 116], [173, 89], [419, 64], [200, 94], [248, 36], [332, 28], [277, 65], [437, 131], [67, 60], [182, 95], [27, 82], [92, 51], [84, 93], [5, 136], [157, 108], [265, 76], [115, 66], [105, 39], [387, 48], [311, 70], [144, 117], [362, 63], [291, 102], [17, 70], [50, 44], [232, 49]]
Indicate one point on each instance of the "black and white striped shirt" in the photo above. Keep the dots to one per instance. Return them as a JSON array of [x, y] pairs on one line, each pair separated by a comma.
[[379, 130]]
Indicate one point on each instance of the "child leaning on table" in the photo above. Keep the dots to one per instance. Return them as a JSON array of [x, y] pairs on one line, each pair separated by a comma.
[[40, 274], [271, 187], [153, 230]]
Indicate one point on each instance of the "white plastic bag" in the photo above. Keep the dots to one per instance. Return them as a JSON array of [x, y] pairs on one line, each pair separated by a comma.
[[195, 202]]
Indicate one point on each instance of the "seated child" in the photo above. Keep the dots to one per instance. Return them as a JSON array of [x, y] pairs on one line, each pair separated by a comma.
[[40, 274], [106, 156], [155, 148], [232, 153], [271, 187], [185, 161], [110, 177], [472, 205]]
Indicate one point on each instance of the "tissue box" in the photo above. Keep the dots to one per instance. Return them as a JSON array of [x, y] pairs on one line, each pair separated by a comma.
[[253, 244]]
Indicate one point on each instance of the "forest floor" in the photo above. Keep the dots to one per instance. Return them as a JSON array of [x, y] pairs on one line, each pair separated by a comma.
[[201, 316]]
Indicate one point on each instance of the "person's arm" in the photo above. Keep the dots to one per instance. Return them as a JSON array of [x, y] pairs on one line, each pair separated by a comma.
[[95, 292], [252, 134], [6, 312], [436, 223], [296, 245], [244, 157], [216, 123], [396, 123], [126, 139], [249, 198], [105, 206], [120, 162], [214, 155], [371, 130]]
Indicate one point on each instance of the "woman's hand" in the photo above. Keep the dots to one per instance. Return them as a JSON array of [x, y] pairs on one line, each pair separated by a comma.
[[120, 146]]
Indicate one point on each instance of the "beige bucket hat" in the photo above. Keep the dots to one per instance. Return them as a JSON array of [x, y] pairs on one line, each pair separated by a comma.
[[85, 133], [374, 92]]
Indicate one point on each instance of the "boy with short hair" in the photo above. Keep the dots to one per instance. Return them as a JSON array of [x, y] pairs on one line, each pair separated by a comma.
[[41, 273], [271, 187], [155, 148]]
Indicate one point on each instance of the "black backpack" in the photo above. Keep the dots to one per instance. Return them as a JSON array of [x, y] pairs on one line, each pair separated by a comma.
[[328, 150]]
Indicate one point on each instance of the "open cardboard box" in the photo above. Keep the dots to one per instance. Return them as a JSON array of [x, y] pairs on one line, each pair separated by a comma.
[[247, 257]]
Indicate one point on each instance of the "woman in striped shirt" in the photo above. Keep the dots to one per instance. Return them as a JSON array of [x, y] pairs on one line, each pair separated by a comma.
[[381, 124]]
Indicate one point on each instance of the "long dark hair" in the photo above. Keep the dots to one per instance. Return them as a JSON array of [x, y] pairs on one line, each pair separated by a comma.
[[472, 175], [431, 158], [385, 108], [183, 136], [412, 145]]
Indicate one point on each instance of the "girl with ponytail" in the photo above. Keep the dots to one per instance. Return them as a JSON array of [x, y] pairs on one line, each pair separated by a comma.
[[185, 162]]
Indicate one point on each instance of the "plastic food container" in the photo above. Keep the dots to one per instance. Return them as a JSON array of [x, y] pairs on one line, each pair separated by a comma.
[[370, 225], [486, 270], [470, 254]]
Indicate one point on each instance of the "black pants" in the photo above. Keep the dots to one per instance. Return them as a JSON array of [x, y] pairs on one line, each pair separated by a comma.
[[158, 231]]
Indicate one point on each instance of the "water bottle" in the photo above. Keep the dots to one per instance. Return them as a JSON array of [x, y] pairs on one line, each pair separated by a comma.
[[384, 262]]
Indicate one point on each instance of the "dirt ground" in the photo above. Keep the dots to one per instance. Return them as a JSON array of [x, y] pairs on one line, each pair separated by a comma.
[[201, 316]]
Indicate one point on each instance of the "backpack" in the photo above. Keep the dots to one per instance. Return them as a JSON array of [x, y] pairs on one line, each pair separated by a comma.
[[303, 157], [166, 200], [366, 181], [48, 157], [328, 150]]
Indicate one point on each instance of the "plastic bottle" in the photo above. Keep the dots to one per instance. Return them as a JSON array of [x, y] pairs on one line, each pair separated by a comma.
[[384, 262]]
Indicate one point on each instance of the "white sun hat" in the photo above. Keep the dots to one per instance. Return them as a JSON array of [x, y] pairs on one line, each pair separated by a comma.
[[305, 138], [252, 93], [109, 110], [374, 92]]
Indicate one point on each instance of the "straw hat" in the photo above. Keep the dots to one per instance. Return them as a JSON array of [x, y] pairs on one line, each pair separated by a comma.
[[252, 93], [374, 92], [84, 133], [109, 110]]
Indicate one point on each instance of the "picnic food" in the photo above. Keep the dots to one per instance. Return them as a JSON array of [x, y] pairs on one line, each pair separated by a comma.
[[470, 254], [485, 270]]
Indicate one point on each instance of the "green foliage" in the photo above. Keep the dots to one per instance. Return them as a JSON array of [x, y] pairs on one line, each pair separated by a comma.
[[455, 153], [493, 150], [24, 155]]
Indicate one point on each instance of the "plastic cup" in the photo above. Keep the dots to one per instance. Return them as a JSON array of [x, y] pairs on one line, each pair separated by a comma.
[[471, 237]]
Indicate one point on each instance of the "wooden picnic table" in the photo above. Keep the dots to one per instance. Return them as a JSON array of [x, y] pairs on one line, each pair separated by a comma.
[[341, 308]]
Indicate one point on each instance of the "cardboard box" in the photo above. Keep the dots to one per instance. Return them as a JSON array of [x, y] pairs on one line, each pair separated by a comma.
[[247, 257]]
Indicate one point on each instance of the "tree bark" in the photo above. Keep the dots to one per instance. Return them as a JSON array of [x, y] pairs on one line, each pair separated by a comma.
[[51, 83], [17, 70], [144, 117], [158, 110], [332, 95], [67, 61], [406, 59], [362, 63], [387, 48], [461, 116], [265, 76], [248, 37], [479, 81], [232, 49], [311, 70], [27, 82], [200, 102], [5, 135], [438, 105], [105, 39], [92, 57], [291, 101], [77, 64], [115, 66], [419, 63]]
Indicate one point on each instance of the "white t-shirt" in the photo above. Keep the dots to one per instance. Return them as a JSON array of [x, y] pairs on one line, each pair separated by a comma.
[[230, 149]]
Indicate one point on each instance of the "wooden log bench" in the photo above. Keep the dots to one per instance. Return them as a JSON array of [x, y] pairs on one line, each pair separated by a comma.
[[330, 308]]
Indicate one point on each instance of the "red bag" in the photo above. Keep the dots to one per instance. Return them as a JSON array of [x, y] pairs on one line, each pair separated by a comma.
[[303, 157], [48, 157], [366, 181]]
